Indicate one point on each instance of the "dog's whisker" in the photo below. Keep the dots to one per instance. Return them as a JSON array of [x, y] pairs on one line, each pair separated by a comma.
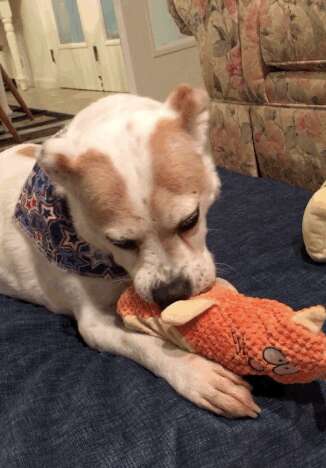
[[120, 280], [221, 266]]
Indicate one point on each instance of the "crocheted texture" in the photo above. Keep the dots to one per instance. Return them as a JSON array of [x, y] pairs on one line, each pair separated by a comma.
[[246, 335]]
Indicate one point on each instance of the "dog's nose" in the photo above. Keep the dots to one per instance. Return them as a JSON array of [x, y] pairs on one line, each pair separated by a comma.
[[165, 294]]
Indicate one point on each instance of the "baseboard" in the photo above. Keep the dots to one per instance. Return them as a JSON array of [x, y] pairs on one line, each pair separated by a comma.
[[45, 83]]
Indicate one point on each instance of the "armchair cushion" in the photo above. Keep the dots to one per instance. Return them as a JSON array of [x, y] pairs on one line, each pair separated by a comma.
[[293, 33], [290, 144], [231, 138], [298, 87]]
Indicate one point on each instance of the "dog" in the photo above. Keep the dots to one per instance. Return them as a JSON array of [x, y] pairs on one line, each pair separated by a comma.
[[134, 181]]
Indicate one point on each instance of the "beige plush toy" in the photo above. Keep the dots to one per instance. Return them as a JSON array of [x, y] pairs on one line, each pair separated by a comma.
[[314, 225]]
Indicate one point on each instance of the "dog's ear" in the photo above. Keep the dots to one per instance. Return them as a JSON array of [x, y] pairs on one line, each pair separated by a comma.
[[192, 107], [57, 158]]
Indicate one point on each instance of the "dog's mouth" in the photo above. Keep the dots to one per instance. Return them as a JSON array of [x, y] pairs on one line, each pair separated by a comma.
[[165, 293], [178, 290]]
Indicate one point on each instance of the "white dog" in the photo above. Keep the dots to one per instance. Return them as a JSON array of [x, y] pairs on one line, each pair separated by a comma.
[[132, 181]]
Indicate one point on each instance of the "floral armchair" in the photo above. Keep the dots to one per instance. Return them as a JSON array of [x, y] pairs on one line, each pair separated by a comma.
[[264, 65]]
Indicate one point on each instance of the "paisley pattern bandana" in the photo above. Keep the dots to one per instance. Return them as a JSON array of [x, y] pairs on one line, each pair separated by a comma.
[[44, 216]]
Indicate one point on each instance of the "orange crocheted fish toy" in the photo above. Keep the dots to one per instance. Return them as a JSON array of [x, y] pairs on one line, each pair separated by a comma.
[[247, 335]]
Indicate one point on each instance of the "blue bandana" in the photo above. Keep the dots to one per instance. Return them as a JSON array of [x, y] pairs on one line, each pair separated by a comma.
[[44, 216]]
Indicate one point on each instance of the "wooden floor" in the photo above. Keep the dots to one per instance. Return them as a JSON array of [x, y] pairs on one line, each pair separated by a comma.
[[69, 101]]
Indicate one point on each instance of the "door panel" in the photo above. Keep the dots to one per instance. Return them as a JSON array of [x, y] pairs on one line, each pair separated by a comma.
[[114, 67], [75, 57], [68, 21], [110, 20], [77, 68], [110, 64], [114, 71]]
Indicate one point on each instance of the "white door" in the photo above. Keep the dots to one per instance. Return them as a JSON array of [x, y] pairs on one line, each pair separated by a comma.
[[100, 26], [74, 54], [157, 56], [87, 54]]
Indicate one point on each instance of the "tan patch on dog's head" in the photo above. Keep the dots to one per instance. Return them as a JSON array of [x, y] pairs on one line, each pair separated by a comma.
[[98, 185], [103, 188], [30, 151], [177, 168]]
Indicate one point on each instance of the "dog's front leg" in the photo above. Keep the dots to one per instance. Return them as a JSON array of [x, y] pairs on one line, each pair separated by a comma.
[[204, 382]]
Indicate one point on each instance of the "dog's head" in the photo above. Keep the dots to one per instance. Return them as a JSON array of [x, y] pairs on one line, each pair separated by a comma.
[[139, 182]]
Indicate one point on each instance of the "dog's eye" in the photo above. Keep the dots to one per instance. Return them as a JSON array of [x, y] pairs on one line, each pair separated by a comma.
[[189, 222], [126, 244]]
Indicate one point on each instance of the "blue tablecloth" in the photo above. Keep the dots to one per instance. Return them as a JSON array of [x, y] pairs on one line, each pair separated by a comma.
[[64, 405]]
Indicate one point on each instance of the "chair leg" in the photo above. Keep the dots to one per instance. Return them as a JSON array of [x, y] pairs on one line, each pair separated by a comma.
[[5, 120], [8, 81]]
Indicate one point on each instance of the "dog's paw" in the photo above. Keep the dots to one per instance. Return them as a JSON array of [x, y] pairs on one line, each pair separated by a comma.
[[213, 388]]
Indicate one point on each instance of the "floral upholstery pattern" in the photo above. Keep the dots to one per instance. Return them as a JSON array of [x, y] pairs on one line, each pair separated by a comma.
[[290, 144], [264, 66], [293, 32], [253, 65], [215, 26], [296, 87], [231, 138]]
